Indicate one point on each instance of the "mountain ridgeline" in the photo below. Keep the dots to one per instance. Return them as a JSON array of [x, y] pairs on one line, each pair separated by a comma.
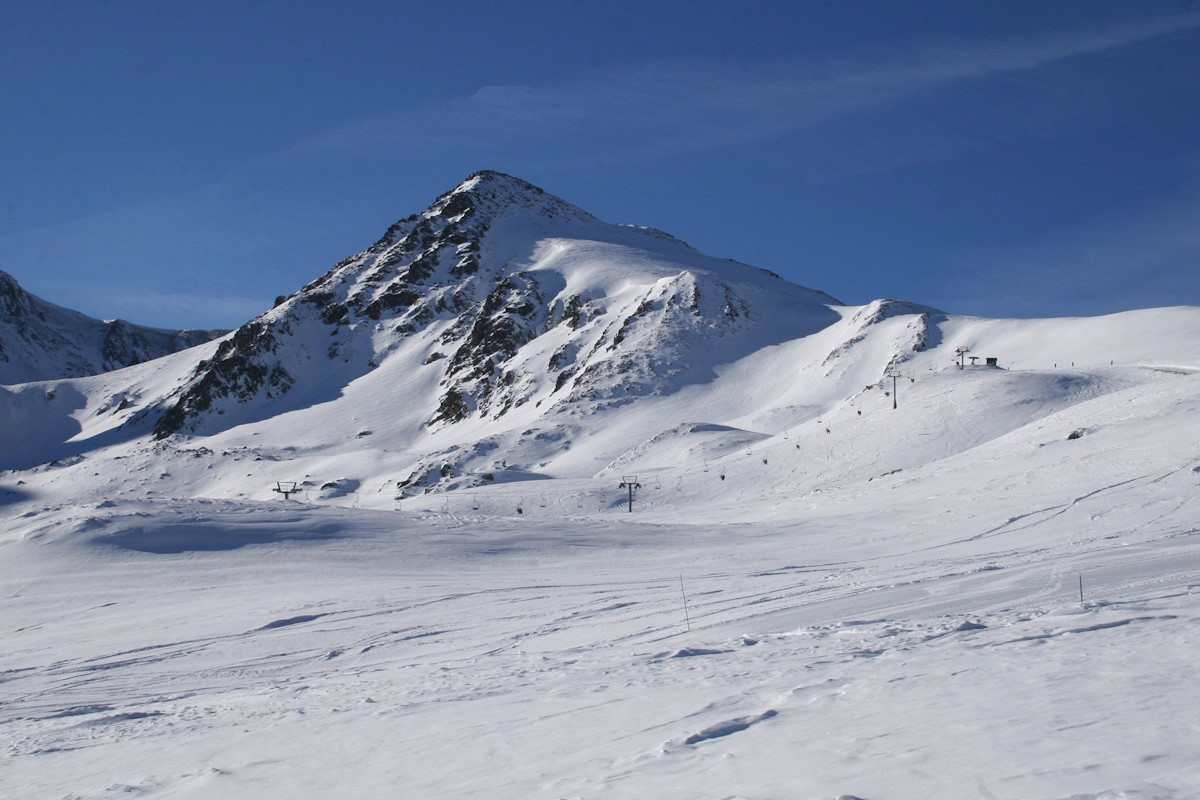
[[514, 296], [42, 341]]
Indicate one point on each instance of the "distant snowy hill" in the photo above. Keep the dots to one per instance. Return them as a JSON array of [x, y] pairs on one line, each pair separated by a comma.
[[41, 341]]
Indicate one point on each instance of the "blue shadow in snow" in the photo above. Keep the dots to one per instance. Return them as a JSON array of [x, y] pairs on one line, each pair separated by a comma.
[[184, 538]]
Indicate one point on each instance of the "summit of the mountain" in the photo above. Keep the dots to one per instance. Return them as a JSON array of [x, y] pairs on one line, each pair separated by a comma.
[[41, 341], [492, 193]]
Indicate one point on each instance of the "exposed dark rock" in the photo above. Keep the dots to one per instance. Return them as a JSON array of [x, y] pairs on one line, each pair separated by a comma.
[[236, 370], [393, 298], [453, 407]]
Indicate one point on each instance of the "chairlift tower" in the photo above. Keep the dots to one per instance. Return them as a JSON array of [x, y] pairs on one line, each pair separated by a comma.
[[961, 353], [630, 482], [893, 374], [286, 488]]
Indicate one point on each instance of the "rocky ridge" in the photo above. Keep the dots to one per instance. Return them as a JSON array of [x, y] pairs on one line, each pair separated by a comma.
[[43, 341]]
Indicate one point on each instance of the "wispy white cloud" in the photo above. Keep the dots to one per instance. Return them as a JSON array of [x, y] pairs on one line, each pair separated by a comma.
[[653, 109]]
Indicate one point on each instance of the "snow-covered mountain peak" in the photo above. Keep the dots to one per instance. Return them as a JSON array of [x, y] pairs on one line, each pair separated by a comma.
[[503, 294], [494, 193], [470, 209]]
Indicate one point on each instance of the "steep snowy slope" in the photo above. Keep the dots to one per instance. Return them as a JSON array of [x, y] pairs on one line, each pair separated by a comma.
[[40, 341]]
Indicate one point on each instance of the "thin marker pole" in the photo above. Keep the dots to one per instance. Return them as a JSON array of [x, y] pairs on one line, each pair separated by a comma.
[[1081, 587], [686, 616]]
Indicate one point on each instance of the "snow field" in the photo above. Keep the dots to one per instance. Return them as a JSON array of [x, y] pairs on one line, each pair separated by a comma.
[[369, 654]]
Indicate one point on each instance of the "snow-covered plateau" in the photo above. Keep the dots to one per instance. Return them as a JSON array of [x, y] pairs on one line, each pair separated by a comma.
[[856, 566]]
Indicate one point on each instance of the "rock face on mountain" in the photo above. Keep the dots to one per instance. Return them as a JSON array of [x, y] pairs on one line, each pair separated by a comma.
[[514, 296], [42, 341]]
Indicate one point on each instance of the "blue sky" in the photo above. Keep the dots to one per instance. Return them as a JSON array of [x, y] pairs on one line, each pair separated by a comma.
[[182, 164]]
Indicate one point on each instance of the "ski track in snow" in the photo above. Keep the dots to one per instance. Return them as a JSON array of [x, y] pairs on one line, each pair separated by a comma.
[[567, 680]]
